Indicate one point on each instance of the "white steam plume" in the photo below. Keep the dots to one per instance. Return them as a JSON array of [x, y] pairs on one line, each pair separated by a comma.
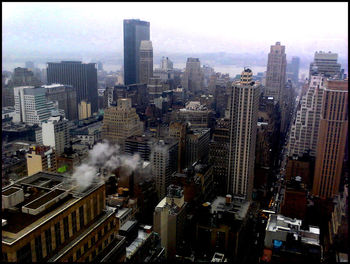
[[105, 156]]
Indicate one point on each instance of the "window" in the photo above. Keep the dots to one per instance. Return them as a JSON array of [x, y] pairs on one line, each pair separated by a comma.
[[105, 229], [106, 242], [78, 253], [74, 222], [93, 241], [24, 254], [48, 241], [95, 206], [93, 254], [70, 259], [81, 216], [65, 228], [100, 248], [86, 247], [38, 248], [58, 234], [99, 235]]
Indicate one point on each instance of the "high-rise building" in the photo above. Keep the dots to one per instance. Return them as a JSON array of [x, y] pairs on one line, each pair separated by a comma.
[[192, 80], [331, 141], [66, 96], [55, 133], [169, 219], [31, 106], [243, 115], [304, 131], [325, 64], [24, 77], [293, 70], [166, 64], [29, 65], [276, 72], [84, 110], [48, 218], [121, 122], [138, 144], [82, 76], [154, 88], [197, 145], [135, 31], [41, 158], [146, 61], [164, 156]]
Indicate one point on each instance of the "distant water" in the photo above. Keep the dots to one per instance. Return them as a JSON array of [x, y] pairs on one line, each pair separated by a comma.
[[232, 70]]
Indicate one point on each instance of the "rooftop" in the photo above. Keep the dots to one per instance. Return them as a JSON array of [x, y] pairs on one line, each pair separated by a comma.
[[38, 198], [238, 206]]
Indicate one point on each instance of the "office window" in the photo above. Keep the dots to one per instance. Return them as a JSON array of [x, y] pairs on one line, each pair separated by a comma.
[[81, 216], [74, 222], [48, 241], [70, 259], [95, 206], [99, 235], [105, 229], [100, 248], [38, 248], [93, 241], [24, 254], [65, 228], [78, 253], [93, 254], [58, 234]]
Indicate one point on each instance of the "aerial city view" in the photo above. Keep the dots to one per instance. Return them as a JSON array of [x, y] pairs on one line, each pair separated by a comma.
[[175, 132]]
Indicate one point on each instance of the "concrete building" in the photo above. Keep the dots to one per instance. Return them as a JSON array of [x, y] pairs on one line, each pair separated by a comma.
[[84, 110], [121, 122], [331, 142], [166, 64], [192, 80], [82, 76], [305, 130], [154, 88], [169, 218], [276, 72], [293, 70], [199, 116], [55, 221], [326, 64], [139, 144], [66, 96], [178, 131], [197, 145], [135, 31], [31, 106], [164, 156], [290, 242], [243, 115], [55, 133], [146, 61], [41, 158]]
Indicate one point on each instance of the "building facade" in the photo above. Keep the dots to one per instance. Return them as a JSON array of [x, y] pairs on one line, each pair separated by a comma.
[[66, 96], [146, 61], [84, 110], [41, 158], [276, 72], [192, 80], [135, 31], [325, 64], [82, 76], [331, 142], [55, 133], [243, 114]]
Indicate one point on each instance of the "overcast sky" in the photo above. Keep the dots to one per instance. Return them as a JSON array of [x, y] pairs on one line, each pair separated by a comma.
[[176, 27]]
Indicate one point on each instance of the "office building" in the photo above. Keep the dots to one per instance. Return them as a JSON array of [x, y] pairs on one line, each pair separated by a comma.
[[243, 115], [276, 72], [41, 158], [305, 129], [84, 110], [24, 77], [47, 218], [66, 96], [55, 133], [199, 116], [135, 31], [293, 70], [82, 76], [326, 64], [331, 142], [138, 144], [164, 156], [169, 219], [192, 79], [121, 122], [154, 89], [197, 145], [146, 61], [166, 64], [31, 106]]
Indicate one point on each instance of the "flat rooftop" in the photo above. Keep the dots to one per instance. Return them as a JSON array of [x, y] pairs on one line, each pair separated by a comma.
[[238, 206], [47, 194]]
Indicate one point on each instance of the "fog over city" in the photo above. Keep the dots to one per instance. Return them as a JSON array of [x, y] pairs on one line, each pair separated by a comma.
[[218, 33]]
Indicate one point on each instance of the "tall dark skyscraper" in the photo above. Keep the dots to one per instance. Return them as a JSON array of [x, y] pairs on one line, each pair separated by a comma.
[[82, 76], [135, 31]]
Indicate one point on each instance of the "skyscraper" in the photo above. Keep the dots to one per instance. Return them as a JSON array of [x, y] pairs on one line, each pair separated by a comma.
[[331, 142], [66, 96], [192, 80], [326, 64], [166, 64], [82, 76], [135, 31], [146, 61], [293, 69], [304, 131], [276, 72], [55, 133], [243, 112]]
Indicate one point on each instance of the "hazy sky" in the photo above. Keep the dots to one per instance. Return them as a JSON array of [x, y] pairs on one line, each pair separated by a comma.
[[176, 27]]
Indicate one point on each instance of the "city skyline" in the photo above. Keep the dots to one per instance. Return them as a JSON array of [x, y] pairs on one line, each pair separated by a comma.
[[43, 27]]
